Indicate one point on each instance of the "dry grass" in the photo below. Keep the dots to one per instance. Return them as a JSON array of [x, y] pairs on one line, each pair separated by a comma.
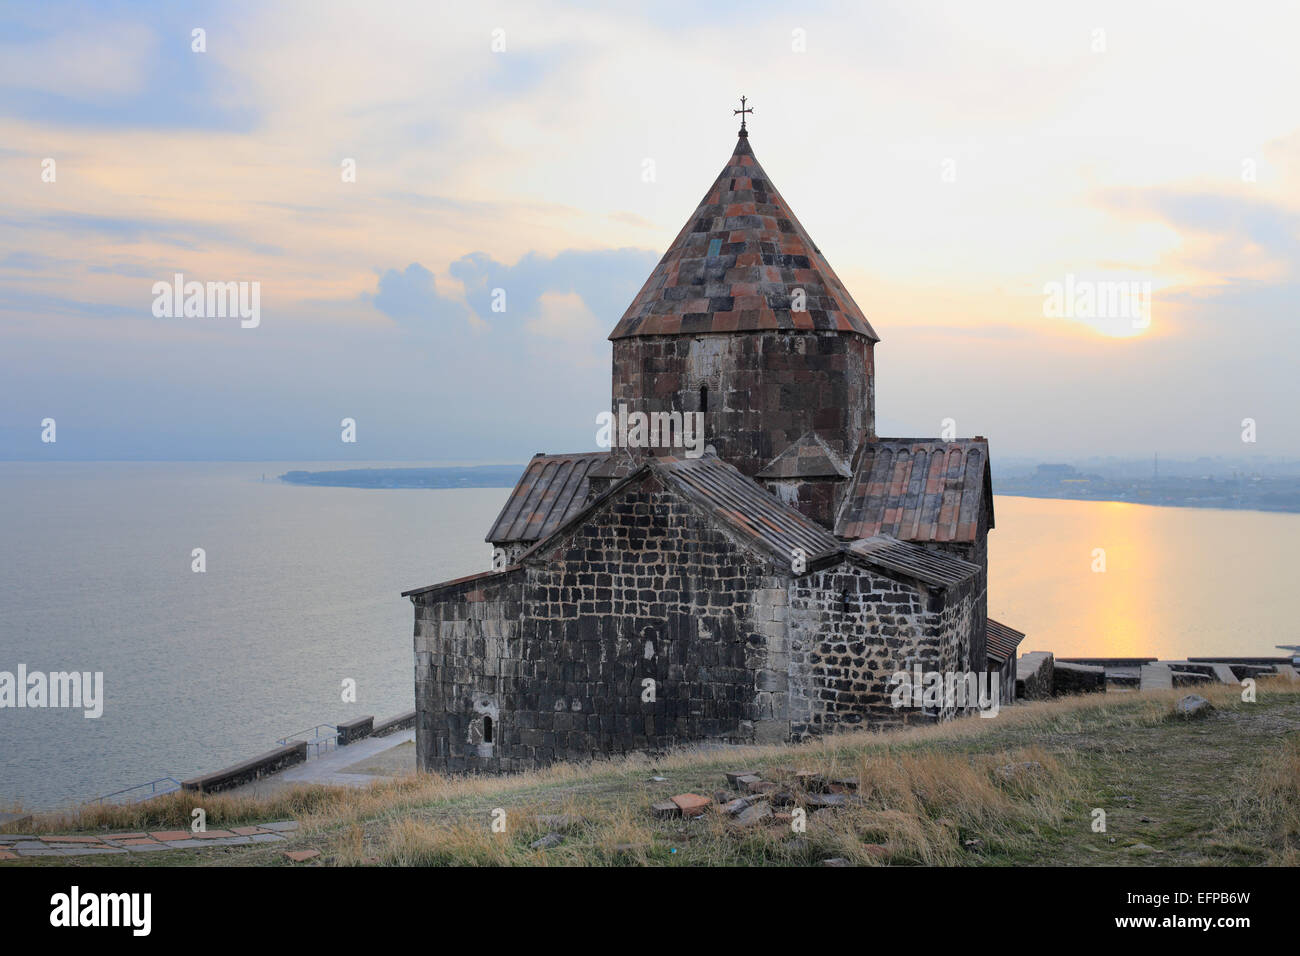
[[914, 809], [1005, 791], [1275, 798]]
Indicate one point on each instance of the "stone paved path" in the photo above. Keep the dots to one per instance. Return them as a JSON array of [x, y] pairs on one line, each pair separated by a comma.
[[335, 768], [18, 846]]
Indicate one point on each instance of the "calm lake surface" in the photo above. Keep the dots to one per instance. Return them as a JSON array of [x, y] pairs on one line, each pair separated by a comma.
[[302, 585]]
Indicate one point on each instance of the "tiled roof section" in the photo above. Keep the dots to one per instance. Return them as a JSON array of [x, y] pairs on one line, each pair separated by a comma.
[[736, 264], [935, 568], [809, 457], [1002, 641], [616, 464], [746, 506], [551, 489], [481, 577], [918, 490]]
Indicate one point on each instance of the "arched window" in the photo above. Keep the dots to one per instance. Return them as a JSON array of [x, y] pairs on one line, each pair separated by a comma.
[[487, 730]]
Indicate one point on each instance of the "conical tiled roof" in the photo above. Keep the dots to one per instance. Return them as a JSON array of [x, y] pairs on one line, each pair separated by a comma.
[[736, 264]]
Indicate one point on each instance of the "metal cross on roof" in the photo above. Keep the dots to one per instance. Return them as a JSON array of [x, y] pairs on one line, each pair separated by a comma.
[[742, 111]]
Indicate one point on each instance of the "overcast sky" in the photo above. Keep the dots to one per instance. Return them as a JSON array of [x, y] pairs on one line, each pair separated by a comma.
[[951, 161]]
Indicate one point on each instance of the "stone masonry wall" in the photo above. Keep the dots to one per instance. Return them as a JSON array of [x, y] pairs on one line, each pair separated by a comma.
[[815, 498], [851, 630], [765, 389], [647, 588], [466, 646], [975, 552]]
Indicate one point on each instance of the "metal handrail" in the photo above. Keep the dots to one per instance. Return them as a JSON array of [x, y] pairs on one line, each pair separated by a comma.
[[154, 791], [317, 742]]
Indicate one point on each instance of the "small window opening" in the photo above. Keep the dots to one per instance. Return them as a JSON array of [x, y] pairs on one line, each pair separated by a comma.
[[487, 730], [704, 398]]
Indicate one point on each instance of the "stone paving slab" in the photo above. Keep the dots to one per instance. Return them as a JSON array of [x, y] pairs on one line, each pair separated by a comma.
[[343, 767], [24, 845], [1157, 677], [1224, 673]]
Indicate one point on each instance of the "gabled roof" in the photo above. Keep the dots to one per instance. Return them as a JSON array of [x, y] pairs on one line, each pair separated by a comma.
[[809, 457], [918, 490], [935, 568], [1002, 641], [736, 264], [747, 507], [721, 491], [552, 488]]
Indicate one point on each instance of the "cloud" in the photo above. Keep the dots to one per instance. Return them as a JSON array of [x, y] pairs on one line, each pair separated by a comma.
[[622, 217], [184, 234], [29, 263], [35, 303], [606, 280], [1224, 232], [76, 65], [411, 298], [570, 297]]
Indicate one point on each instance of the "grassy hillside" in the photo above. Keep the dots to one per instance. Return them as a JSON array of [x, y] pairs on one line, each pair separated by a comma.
[[1018, 789]]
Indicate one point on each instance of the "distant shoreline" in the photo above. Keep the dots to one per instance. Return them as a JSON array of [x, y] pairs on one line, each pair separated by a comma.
[[1202, 504], [506, 476], [475, 476]]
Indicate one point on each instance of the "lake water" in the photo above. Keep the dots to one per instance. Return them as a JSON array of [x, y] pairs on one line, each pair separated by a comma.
[[302, 585]]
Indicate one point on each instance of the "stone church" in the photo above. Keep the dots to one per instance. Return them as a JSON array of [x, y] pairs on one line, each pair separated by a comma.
[[764, 591]]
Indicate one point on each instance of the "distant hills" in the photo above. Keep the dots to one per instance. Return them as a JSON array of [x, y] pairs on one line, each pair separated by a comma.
[[1248, 492], [476, 476], [1244, 492]]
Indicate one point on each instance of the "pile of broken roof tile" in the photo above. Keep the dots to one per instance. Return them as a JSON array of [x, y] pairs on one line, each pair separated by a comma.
[[751, 800]]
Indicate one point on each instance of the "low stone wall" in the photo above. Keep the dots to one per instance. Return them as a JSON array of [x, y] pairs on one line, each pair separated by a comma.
[[270, 762], [1034, 675], [1068, 678], [405, 721], [1108, 661], [355, 730]]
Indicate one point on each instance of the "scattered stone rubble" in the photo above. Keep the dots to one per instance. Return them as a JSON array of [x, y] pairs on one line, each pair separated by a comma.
[[753, 800], [1193, 705]]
